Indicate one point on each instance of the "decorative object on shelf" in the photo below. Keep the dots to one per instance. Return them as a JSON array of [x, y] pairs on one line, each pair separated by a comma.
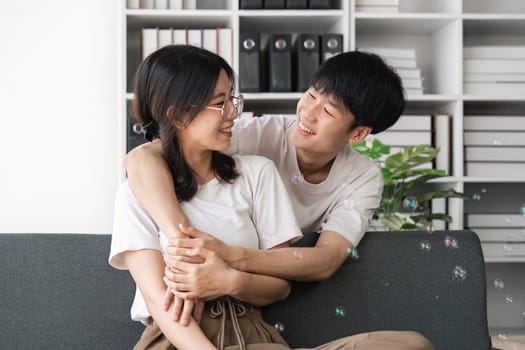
[[401, 176]]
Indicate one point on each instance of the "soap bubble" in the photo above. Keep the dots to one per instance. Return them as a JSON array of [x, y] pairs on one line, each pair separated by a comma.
[[502, 336], [340, 311], [410, 202], [430, 229], [508, 220], [459, 273], [352, 253], [497, 142], [451, 242], [508, 299], [297, 254], [425, 246], [386, 284], [349, 203], [297, 177], [483, 190], [522, 209], [476, 197], [279, 326], [499, 284], [507, 247]]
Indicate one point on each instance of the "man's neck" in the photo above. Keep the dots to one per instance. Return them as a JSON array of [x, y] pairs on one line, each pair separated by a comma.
[[314, 167]]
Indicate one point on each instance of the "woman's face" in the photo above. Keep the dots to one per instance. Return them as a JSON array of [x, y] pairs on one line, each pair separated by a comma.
[[211, 129]]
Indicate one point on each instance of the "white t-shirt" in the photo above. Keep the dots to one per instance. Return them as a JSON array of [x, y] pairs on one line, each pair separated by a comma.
[[254, 212], [343, 203]]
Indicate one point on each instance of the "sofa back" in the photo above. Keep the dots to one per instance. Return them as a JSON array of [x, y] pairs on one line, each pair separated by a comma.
[[57, 291]]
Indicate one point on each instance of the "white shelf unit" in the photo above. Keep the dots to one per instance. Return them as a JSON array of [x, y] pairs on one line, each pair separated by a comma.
[[438, 30]]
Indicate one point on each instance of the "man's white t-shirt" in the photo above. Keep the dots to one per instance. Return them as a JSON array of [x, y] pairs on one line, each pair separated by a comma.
[[253, 212], [343, 203]]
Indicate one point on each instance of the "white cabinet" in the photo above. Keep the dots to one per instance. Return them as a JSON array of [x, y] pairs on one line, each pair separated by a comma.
[[438, 30]]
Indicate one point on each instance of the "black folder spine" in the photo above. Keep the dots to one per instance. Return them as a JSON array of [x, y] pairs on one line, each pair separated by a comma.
[[249, 63], [307, 47], [280, 63], [331, 45]]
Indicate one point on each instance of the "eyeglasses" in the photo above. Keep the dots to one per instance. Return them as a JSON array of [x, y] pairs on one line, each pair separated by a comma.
[[233, 105]]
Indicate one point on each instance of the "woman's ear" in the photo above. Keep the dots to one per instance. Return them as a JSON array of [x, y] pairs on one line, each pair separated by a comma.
[[359, 134], [176, 123]]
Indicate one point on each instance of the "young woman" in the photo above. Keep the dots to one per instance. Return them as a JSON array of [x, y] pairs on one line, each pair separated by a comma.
[[183, 95]]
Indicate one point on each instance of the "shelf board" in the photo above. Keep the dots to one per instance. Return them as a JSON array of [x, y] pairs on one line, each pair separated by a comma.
[[138, 19], [504, 259], [493, 98], [470, 179], [406, 24], [493, 16]]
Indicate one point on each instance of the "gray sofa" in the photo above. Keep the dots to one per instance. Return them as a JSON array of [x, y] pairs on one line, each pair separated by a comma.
[[58, 292]]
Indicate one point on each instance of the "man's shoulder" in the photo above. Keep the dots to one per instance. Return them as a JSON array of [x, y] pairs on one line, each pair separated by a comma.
[[356, 163]]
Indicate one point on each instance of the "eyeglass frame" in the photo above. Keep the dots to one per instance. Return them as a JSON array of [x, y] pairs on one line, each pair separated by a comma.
[[238, 108]]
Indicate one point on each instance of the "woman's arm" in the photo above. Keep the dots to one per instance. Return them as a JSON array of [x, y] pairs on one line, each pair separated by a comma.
[[151, 182], [147, 268], [214, 278]]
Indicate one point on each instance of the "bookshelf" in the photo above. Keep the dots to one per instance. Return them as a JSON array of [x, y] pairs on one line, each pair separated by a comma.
[[438, 30]]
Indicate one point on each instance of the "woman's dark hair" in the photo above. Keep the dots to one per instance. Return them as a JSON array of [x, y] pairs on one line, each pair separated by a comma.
[[171, 86], [366, 85]]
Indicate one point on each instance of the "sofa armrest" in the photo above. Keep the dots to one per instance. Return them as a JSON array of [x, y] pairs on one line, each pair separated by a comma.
[[394, 285]]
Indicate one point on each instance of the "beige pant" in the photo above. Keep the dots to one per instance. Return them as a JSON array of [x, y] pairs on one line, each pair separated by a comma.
[[227, 322]]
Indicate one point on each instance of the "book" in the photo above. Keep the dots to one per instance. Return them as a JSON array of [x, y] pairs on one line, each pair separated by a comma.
[[180, 36], [408, 73], [149, 41], [442, 141], [175, 4], [194, 37], [495, 220], [505, 52], [391, 53], [165, 37], [377, 2], [495, 169], [502, 89], [500, 234], [495, 154], [493, 77], [225, 44], [133, 4], [403, 138], [494, 122], [412, 122], [251, 4], [493, 66], [381, 9], [494, 138], [147, 4], [209, 40], [413, 83], [189, 4], [401, 62], [161, 4]]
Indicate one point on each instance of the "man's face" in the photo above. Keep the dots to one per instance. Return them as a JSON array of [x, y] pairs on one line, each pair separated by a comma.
[[323, 124]]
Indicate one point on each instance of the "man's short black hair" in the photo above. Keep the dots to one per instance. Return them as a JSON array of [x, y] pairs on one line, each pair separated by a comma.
[[367, 87]]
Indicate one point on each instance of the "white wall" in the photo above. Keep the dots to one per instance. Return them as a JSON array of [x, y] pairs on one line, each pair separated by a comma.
[[59, 99]]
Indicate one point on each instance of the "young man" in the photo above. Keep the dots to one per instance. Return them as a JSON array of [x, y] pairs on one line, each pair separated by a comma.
[[333, 189]]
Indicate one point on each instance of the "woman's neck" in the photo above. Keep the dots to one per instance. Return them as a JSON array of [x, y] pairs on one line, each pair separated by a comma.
[[200, 163]]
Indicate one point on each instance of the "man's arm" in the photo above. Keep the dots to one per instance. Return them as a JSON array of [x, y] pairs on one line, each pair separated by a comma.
[[152, 184], [214, 278], [291, 263], [147, 268]]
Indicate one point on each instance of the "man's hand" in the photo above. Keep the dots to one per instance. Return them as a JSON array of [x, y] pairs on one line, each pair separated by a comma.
[[191, 281], [199, 239]]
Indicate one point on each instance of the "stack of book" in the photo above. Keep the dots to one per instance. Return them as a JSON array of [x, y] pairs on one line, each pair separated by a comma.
[[415, 130], [170, 4], [405, 63], [501, 235], [388, 6], [494, 70], [495, 146], [219, 40]]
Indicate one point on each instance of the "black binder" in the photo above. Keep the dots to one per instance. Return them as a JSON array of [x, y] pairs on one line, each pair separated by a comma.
[[249, 63], [307, 49], [280, 63], [274, 4], [296, 4], [331, 45], [251, 4], [321, 4]]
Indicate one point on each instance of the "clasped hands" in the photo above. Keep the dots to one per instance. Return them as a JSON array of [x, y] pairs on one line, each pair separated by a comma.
[[194, 271]]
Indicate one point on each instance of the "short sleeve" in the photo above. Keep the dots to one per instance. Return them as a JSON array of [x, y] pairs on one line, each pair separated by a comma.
[[354, 209], [133, 228], [273, 214]]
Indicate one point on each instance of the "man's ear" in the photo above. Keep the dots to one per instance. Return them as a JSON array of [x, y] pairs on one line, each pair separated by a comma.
[[359, 134]]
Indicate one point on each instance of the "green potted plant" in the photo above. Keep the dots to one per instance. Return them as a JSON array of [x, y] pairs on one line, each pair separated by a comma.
[[402, 175]]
